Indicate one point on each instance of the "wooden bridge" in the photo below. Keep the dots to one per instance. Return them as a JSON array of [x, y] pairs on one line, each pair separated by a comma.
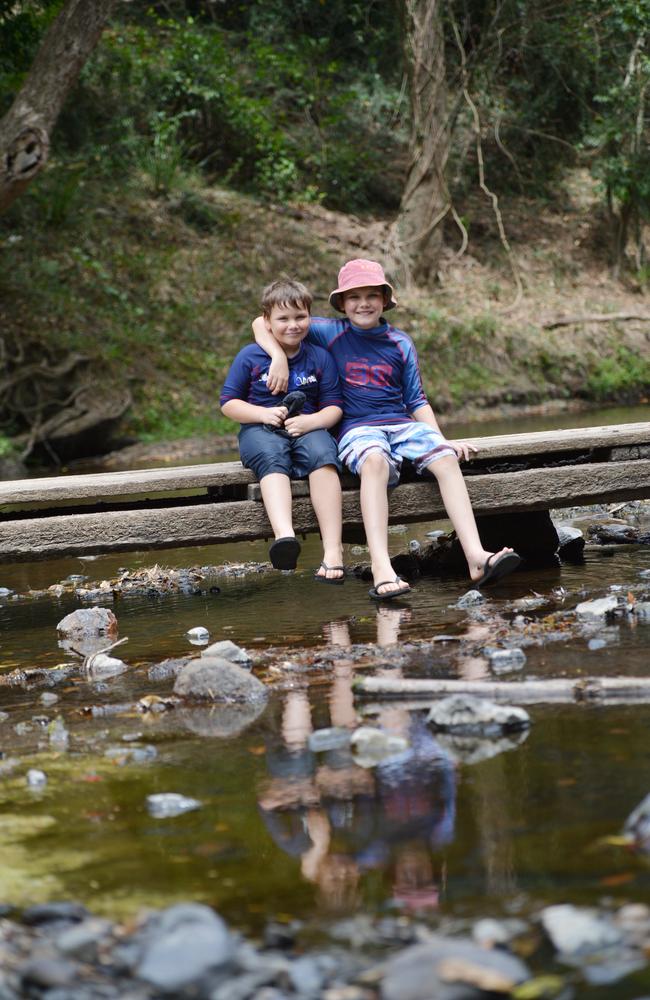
[[220, 502]]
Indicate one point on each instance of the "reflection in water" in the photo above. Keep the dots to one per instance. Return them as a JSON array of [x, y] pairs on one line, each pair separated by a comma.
[[342, 820]]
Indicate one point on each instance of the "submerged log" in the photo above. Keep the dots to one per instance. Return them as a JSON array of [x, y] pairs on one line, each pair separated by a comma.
[[529, 692]]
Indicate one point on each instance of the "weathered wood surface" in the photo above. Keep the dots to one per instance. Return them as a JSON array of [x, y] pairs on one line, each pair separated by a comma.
[[100, 485], [149, 482], [241, 520], [415, 692]]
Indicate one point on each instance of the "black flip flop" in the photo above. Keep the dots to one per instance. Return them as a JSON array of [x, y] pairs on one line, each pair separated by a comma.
[[390, 595], [335, 581], [284, 552], [493, 571]]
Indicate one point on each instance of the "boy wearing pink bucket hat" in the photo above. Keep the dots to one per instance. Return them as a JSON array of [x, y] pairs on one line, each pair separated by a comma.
[[386, 418]]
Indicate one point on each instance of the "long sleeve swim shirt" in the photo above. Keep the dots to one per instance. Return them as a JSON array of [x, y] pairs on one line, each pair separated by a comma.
[[312, 370], [378, 369]]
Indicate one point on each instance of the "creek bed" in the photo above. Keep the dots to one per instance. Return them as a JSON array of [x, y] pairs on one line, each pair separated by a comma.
[[285, 832]]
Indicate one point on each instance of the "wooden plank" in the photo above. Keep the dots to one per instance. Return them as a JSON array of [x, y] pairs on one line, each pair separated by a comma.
[[568, 439], [149, 482], [209, 523], [111, 484]]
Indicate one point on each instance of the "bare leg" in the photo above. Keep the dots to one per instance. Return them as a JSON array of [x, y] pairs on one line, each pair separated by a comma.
[[374, 510], [457, 503], [276, 494], [325, 492]]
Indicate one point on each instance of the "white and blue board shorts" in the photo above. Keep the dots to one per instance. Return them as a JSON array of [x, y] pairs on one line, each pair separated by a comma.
[[413, 440]]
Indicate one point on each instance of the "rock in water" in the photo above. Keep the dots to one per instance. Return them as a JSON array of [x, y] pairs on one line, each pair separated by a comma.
[[87, 622], [228, 650], [164, 805], [211, 678], [451, 969], [185, 942], [597, 609], [637, 825], [465, 714]]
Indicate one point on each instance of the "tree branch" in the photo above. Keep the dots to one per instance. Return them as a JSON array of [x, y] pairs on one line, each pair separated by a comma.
[[26, 127]]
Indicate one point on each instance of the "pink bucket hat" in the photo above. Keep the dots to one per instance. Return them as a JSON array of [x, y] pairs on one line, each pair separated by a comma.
[[359, 274]]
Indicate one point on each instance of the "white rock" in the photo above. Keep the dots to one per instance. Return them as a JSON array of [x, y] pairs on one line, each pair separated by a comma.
[[101, 666], [573, 930], [198, 635], [597, 609], [463, 713], [36, 778], [503, 660], [163, 805]]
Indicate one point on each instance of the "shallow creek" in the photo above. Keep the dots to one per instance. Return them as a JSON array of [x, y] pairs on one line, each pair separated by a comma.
[[285, 831]]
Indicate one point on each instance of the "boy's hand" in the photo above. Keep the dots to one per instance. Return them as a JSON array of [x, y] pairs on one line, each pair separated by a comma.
[[274, 416], [278, 379], [462, 449], [298, 425]]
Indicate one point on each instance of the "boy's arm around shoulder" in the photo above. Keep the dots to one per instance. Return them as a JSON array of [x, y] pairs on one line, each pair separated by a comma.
[[278, 379]]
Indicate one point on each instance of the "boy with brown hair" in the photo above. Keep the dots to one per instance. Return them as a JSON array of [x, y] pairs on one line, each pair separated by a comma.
[[279, 441], [386, 418]]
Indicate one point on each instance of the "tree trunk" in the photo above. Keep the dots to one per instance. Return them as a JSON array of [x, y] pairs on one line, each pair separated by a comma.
[[25, 129], [425, 200]]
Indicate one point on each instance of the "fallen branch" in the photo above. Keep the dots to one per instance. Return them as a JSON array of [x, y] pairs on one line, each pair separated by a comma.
[[586, 689], [593, 318]]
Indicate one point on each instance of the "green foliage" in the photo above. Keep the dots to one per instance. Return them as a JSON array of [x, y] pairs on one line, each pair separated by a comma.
[[620, 375], [21, 27], [164, 97]]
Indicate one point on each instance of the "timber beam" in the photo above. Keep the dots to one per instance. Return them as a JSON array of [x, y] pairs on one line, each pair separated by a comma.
[[208, 504]]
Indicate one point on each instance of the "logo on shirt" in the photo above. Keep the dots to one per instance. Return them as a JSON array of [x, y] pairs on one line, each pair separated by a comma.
[[362, 373], [305, 379]]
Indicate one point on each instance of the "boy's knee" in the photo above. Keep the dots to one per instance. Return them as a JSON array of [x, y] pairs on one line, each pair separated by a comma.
[[374, 464], [444, 466]]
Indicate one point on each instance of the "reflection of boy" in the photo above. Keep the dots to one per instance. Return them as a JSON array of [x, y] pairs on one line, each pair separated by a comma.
[[386, 418], [304, 448]]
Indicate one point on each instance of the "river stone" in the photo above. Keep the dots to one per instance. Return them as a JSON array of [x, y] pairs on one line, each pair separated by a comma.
[[575, 931], [88, 622], [504, 660], [42, 972], [45, 913], [469, 599], [83, 940], [450, 969], [614, 534], [597, 609], [184, 943], [211, 678], [101, 666], [464, 714], [637, 825], [228, 651], [167, 669], [36, 778], [167, 805], [572, 543]]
